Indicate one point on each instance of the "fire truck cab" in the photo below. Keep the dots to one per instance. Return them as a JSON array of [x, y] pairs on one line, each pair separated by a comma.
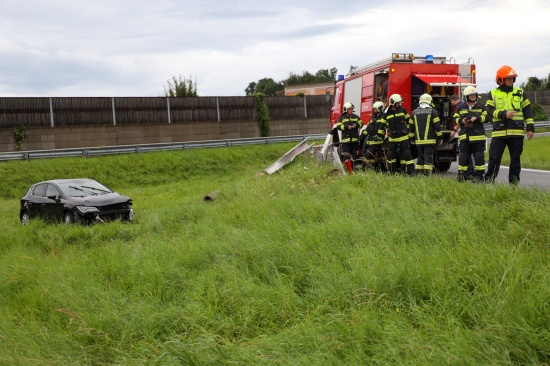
[[410, 76]]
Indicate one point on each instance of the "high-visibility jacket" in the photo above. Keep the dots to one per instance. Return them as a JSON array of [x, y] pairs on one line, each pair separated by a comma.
[[349, 135], [425, 125], [504, 99], [475, 131], [372, 131], [396, 121]]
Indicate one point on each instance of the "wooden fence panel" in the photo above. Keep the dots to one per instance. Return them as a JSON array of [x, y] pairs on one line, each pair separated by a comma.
[[285, 107], [193, 109], [29, 112], [318, 107], [138, 110], [82, 111], [237, 108], [545, 99]]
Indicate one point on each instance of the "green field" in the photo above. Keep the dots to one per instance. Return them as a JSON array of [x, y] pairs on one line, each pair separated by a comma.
[[303, 267]]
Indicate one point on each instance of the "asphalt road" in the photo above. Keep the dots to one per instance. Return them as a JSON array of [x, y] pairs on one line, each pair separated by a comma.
[[528, 177]]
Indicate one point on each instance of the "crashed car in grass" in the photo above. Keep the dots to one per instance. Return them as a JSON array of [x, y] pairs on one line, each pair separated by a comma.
[[74, 201]]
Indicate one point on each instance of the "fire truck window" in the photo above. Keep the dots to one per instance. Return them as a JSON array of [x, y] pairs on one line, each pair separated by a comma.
[[382, 90]]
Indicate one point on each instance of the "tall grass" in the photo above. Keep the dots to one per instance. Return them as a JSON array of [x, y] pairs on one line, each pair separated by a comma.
[[535, 155], [301, 267]]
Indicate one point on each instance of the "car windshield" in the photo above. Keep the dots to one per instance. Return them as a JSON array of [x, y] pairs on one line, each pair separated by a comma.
[[83, 188]]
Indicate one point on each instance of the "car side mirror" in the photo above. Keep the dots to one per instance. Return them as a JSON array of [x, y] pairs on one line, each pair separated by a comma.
[[54, 197]]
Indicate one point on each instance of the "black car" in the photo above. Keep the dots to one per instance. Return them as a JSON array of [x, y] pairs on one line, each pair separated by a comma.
[[74, 200]]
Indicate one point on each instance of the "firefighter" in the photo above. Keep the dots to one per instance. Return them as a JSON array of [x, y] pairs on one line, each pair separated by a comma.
[[426, 132], [396, 121], [350, 124], [510, 112], [470, 117], [455, 103], [372, 141]]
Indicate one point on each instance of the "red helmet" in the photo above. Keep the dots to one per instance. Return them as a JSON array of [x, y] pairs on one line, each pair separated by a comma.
[[505, 72]]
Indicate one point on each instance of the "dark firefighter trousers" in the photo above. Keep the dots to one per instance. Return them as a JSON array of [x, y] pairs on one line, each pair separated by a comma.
[[349, 151], [403, 150], [496, 150], [467, 149], [370, 155], [425, 160]]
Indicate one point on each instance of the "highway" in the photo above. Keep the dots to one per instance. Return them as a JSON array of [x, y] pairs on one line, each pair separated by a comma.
[[528, 177]]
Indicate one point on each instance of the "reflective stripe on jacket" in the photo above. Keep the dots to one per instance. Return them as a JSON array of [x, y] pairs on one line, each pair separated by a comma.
[[349, 135], [425, 126], [477, 131], [499, 102], [372, 131], [396, 122]]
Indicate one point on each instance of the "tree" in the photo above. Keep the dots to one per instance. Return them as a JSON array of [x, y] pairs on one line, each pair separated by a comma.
[[251, 88], [307, 77], [327, 75], [270, 87], [181, 87], [266, 86], [534, 83]]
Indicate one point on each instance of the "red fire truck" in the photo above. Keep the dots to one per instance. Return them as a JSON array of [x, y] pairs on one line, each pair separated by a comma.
[[410, 76]]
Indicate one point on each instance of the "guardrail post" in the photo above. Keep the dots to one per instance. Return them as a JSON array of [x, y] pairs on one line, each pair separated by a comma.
[[168, 106], [305, 106], [51, 113], [114, 117]]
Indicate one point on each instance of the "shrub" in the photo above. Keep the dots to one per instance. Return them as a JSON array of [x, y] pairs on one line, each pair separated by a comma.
[[19, 135], [538, 113], [263, 114]]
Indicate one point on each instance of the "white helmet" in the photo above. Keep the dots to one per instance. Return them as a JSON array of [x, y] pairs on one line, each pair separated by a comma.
[[425, 98], [469, 91], [395, 98], [379, 106], [347, 106]]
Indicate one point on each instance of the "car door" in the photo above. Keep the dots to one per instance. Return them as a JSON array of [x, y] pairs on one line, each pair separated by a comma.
[[38, 202], [53, 207]]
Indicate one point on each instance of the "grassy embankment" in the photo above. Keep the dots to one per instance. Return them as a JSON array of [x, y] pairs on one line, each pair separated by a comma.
[[301, 267]]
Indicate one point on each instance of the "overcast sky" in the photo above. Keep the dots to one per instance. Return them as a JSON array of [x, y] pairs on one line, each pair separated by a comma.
[[62, 48]]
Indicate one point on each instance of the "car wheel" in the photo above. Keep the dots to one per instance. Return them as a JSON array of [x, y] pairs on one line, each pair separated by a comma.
[[25, 218], [68, 218]]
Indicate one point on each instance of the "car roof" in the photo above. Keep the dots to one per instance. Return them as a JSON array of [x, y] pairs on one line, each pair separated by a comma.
[[58, 181]]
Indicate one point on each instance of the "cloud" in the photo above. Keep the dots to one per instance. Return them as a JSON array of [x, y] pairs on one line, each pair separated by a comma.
[[130, 48]]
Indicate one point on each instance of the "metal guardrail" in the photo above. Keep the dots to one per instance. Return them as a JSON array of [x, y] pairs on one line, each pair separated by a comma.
[[130, 149]]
